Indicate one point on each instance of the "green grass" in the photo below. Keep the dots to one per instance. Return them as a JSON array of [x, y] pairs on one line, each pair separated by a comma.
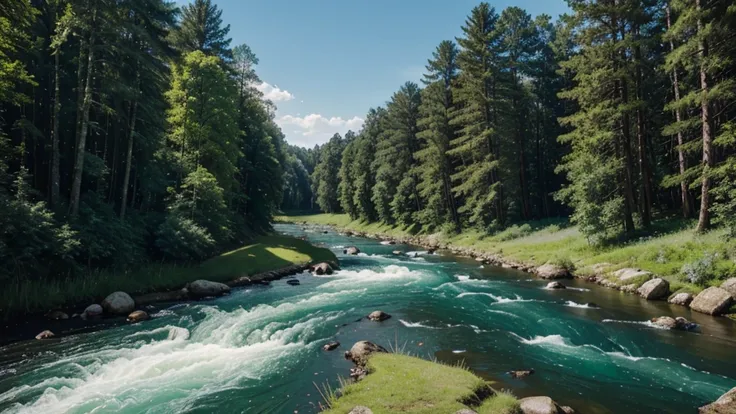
[[266, 253], [404, 384], [501, 403], [672, 244]]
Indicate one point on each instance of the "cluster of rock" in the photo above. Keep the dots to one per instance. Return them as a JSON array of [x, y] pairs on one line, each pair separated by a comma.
[[678, 323], [724, 405]]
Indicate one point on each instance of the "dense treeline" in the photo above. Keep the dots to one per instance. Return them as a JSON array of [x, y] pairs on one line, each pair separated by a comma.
[[130, 131], [616, 112]]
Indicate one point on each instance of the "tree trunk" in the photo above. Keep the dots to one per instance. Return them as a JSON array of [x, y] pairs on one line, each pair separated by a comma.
[[644, 170], [129, 154], [704, 218], [55, 156], [84, 126], [682, 161]]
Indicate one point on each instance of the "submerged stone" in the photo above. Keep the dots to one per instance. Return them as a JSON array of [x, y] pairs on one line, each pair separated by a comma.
[[138, 316], [378, 316]]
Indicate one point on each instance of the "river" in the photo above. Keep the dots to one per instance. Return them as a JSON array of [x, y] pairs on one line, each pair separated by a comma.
[[259, 349]]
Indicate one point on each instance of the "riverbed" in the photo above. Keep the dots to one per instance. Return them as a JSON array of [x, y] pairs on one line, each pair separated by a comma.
[[259, 349]]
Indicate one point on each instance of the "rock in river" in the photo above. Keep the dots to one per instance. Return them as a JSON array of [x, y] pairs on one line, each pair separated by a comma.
[[57, 315], [657, 288], [713, 301], [521, 373], [203, 288], [360, 352], [45, 335], [118, 303], [352, 250], [678, 323], [92, 311], [682, 299], [323, 268], [293, 282], [539, 405], [378, 316], [330, 346], [726, 404], [551, 271], [138, 316], [555, 285]]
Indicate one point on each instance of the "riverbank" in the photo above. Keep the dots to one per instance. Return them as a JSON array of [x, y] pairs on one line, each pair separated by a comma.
[[265, 254], [673, 253]]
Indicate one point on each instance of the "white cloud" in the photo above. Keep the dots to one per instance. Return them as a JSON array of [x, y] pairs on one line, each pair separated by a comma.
[[317, 129], [274, 93]]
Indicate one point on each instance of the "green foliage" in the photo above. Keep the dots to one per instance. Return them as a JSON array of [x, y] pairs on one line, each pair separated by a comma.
[[326, 175], [201, 29], [701, 271]]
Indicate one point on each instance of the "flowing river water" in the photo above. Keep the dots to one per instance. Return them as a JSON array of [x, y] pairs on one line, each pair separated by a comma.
[[259, 349]]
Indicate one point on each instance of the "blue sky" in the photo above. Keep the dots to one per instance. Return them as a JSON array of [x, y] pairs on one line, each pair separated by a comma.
[[326, 62]]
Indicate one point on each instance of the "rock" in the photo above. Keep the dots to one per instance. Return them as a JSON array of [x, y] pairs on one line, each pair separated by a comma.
[[592, 305], [654, 289], [465, 411], [118, 303], [726, 404], [431, 251], [521, 374], [57, 315], [397, 252], [685, 325], [45, 335], [730, 286], [713, 301], [325, 232], [358, 373], [631, 288], [378, 316], [293, 282], [322, 269], [352, 250], [92, 311], [359, 409], [682, 299], [388, 242], [539, 405], [203, 288], [555, 285], [138, 316], [628, 273], [567, 409], [330, 346], [551, 271], [665, 322], [360, 352]]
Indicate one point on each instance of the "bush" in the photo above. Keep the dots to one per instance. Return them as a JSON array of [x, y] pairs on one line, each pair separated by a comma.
[[181, 239], [701, 271], [564, 262], [514, 232]]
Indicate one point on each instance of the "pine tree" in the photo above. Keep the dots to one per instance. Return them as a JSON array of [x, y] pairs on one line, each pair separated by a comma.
[[326, 175], [201, 29], [476, 116], [364, 169], [395, 194], [435, 165], [346, 187]]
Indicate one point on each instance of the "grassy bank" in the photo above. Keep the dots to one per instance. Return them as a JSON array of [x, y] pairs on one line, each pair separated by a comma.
[[672, 246], [404, 384], [264, 254]]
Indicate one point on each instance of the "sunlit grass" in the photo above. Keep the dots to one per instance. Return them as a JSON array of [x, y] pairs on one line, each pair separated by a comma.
[[405, 384], [266, 253]]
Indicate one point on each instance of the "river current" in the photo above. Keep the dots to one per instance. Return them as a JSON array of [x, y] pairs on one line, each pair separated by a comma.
[[259, 349]]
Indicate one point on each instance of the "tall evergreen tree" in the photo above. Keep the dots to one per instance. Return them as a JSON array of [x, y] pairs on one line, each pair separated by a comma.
[[201, 29]]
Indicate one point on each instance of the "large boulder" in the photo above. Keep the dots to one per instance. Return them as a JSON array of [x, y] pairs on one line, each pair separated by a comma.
[[726, 404], [352, 250], [118, 303], [360, 352], [713, 301], [628, 273], [203, 288], [378, 316], [654, 289], [323, 268], [539, 405], [730, 286], [682, 299], [551, 271]]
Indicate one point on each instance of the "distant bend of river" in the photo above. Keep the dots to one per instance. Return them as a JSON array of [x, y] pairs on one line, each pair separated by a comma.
[[259, 349]]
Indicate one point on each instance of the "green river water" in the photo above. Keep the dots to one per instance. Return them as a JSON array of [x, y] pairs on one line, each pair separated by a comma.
[[259, 349]]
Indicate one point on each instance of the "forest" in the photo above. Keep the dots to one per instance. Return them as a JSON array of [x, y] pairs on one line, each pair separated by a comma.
[[613, 115], [131, 132]]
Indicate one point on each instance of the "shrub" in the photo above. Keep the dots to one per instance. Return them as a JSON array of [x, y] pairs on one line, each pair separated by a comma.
[[564, 262], [182, 239], [701, 271], [514, 232]]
